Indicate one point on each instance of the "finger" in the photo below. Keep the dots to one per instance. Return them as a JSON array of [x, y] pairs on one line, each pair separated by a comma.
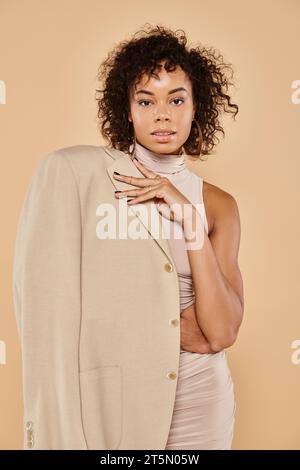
[[132, 192], [135, 181], [145, 171], [149, 194]]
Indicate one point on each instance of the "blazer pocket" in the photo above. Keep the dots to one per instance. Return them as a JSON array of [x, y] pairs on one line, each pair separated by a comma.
[[102, 407]]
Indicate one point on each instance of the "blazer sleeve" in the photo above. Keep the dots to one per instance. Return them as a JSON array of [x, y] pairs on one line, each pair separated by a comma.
[[47, 303]]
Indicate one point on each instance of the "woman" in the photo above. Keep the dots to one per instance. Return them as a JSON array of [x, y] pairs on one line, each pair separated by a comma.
[[119, 353]]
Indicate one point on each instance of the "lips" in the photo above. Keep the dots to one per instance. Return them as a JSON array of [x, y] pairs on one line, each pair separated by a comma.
[[163, 133], [163, 137]]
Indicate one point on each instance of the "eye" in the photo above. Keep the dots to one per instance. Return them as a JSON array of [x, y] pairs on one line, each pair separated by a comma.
[[144, 101], [147, 101], [178, 99]]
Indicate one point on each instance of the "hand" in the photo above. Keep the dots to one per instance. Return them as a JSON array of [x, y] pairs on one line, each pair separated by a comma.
[[192, 338], [170, 202]]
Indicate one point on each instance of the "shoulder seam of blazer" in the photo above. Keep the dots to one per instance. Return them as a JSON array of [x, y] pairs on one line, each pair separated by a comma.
[[115, 153]]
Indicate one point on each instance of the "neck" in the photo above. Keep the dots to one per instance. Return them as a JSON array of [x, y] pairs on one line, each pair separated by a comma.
[[160, 163]]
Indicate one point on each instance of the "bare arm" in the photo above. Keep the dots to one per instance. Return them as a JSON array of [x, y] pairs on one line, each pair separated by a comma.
[[192, 338], [217, 279]]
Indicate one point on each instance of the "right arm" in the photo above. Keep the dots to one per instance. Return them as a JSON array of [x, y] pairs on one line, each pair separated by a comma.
[[192, 338]]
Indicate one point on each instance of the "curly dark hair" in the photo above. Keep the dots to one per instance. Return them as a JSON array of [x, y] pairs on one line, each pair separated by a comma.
[[143, 53]]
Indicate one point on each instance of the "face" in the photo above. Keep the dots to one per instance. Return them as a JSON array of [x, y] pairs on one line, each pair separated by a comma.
[[155, 105]]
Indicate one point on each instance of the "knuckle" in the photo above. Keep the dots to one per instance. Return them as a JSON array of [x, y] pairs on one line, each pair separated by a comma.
[[164, 180]]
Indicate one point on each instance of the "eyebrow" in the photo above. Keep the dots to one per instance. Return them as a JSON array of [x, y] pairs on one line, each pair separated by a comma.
[[169, 92]]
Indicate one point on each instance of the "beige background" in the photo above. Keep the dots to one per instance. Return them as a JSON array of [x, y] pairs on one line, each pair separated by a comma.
[[49, 54]]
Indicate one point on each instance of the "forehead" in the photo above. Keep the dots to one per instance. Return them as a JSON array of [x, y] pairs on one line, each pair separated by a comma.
[[163, 80]]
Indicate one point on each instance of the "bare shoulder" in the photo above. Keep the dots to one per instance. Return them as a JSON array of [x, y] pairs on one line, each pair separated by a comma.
[[220, 205], [225, 233]]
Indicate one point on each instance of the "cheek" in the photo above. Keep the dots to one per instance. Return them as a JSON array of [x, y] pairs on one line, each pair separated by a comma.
[[184, 117], [138, 117], [141, 123], [185, 126], [188, 123]]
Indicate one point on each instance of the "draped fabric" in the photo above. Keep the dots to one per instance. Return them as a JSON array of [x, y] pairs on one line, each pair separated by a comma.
[[204, 409]]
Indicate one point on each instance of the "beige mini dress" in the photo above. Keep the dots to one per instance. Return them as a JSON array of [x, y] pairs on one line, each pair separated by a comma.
[[204, 409]]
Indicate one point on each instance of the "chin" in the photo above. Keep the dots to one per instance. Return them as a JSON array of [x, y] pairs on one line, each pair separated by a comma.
[[165, 148]]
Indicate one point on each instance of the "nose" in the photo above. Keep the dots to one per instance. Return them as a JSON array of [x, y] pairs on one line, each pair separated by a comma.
[[161, 118], [161, 114]]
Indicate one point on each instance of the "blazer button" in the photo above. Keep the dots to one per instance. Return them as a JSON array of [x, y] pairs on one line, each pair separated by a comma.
[[29, 424], [168, 267], [173, 322], [171, 375]]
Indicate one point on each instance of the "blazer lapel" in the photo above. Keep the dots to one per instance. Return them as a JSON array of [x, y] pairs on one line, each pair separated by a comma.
[[123, 164]]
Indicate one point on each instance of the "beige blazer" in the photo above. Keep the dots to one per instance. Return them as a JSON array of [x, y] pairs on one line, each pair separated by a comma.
[[98, 319]]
